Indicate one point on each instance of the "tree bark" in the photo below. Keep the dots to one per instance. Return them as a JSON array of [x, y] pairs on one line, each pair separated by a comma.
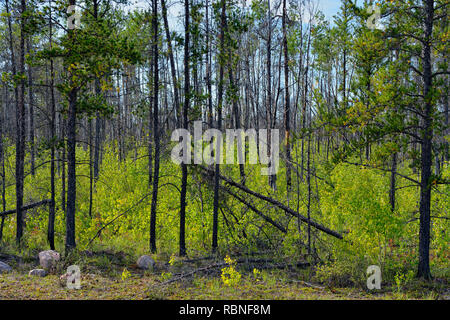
[[185, 126], [287, 117], [51, 215], [71, 158], [31, 112], [155, 129], [423, 270], [172, 63], [215, 231], [277, 204], [21, 132]]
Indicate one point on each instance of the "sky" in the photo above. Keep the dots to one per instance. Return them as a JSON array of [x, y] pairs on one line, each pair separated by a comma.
[[328, 7]]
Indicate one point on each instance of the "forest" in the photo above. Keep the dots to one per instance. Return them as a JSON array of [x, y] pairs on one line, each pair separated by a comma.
[[321, 171]]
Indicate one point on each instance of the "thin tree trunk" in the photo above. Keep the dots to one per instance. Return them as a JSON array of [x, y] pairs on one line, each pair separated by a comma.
[[272, 178], [51, 216], [71, 160], [155, 129], [215, 230], [63, 124], [31, 111], [172, 63], [21, 132], [393, 176], [184, 126], [287, 118], [237, 120], [2, 162], [423, 270], [208, 69]]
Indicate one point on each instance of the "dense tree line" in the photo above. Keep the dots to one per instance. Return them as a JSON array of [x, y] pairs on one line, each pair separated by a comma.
[[130, 77]]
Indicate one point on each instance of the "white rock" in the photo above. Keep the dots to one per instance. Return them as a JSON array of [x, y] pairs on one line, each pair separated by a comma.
[[38, 273], [145, 262], [4, 268], [48, 258]]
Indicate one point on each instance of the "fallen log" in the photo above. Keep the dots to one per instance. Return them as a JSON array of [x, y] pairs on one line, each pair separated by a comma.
[[245, 261], [27, 207], [277, 203], [193, 272]]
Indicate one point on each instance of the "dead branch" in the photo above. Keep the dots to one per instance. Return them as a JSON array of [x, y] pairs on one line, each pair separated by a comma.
[[259, 213], [276, 203], [27, 207]]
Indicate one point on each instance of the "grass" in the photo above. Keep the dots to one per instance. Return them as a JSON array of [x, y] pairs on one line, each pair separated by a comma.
[[114, 275]]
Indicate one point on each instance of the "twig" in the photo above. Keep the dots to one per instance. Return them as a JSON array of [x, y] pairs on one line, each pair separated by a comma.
[[278, 204], [25, 208], [117, 217]]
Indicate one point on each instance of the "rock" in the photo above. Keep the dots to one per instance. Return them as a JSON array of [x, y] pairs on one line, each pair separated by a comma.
[[38, 273], [48, 258], [145, 262], [4, 268]]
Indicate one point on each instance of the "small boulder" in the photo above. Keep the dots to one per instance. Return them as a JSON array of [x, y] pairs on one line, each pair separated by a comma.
[[48, 258], [4, 268], [38, 273], [145, 262]]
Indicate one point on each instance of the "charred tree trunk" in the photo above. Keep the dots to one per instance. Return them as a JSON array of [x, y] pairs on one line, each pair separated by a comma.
[[31, 113], [272, 178], [215, 231], [155, 129], [2, 163], [172, 63], [51, 215], [393, 175], [185, 126], [71, 160], [287, 117], [423, 270], [21, 132]]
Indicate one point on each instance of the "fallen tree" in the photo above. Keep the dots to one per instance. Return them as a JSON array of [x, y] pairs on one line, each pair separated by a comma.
[[276, 203], [259, 213], [25, 208], [251, 263]]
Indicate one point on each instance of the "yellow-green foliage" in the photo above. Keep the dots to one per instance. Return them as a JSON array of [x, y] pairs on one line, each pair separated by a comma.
[[230, 276]]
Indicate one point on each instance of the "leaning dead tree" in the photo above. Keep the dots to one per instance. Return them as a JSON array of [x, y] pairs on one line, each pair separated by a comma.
[[25, 208], [274, 202]]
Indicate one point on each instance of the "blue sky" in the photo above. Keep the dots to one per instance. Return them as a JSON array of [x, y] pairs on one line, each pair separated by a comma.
[[328, 7]]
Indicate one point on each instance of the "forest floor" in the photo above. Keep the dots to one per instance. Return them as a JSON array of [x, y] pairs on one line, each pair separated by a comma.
[[109, 276]]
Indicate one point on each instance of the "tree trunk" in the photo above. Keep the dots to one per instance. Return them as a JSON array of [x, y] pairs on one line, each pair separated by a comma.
[[172, 63], [71, 159], [393, 175], [272, 178], [287, 118], [208, 69], [2, 162], [31, 111], [423, 270], [184, 126], [215, 230], [51, 215], [155, 128], [21, 132], [71, 171]]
